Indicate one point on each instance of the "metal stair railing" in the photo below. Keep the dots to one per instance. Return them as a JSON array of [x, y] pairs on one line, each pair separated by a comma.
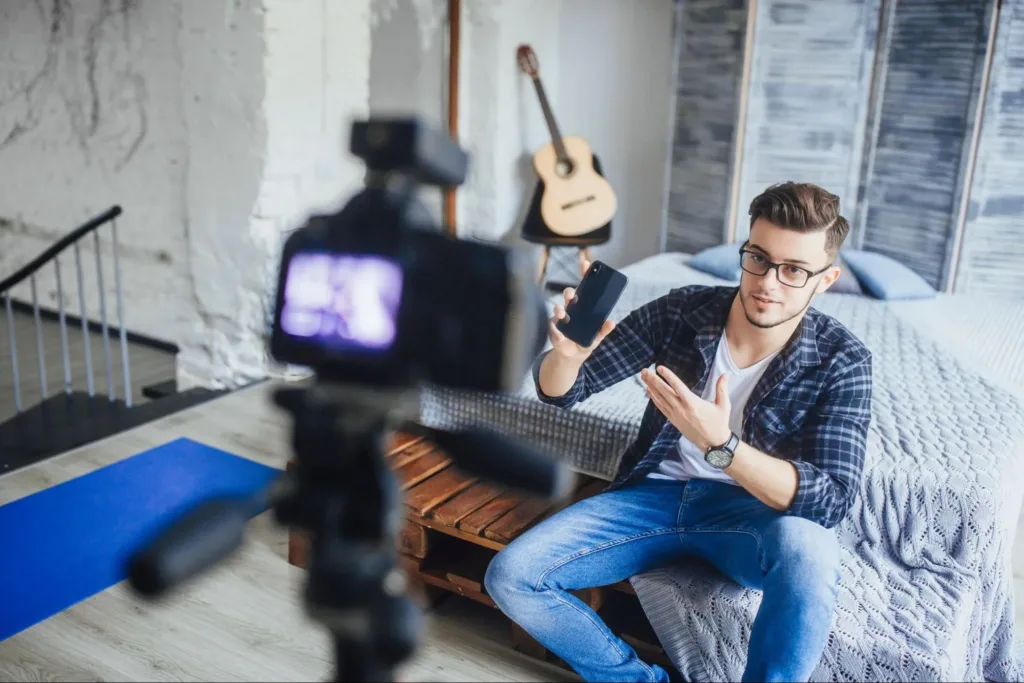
[[29, 272]]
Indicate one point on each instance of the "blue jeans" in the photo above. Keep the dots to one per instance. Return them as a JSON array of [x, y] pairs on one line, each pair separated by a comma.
[[611, 536]]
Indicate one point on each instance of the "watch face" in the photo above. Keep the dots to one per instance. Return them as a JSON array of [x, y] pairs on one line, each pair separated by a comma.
[[719, 458]]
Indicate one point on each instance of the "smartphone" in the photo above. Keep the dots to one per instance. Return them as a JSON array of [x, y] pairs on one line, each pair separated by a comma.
[[596, 296]]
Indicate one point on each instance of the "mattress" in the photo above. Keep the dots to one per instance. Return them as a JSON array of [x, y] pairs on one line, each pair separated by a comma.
[[927, 587]]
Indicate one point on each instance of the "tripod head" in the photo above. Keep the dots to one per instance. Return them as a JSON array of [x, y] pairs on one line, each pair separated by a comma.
[[377, 304]]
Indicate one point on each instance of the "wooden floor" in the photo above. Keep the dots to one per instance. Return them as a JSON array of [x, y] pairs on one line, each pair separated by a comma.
[[146, 365], [242, 621]]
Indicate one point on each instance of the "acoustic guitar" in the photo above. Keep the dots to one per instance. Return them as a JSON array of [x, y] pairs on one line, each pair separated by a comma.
[[576, 198]]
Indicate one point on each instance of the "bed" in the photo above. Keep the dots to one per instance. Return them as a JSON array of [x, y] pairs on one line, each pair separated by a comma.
[[927, 586]]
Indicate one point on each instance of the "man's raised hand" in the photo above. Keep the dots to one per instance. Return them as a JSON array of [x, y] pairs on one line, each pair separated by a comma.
[[565, 347]]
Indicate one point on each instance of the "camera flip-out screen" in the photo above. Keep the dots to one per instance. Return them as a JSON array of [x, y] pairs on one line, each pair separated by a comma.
[[343, 301]]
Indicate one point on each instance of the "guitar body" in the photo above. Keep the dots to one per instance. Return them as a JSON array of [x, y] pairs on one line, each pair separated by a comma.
[[577, 200], [535, 230]]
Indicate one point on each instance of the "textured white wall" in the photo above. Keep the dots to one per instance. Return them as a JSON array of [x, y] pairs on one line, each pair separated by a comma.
[[215, 124], [500, 122], [606, 66], [616, 90], [409, 68], [315, 79]]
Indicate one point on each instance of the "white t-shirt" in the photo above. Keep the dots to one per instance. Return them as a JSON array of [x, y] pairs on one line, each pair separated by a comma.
[[687, 461]]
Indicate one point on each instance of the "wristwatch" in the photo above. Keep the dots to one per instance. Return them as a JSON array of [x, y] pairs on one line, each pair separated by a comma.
[[721, 457]]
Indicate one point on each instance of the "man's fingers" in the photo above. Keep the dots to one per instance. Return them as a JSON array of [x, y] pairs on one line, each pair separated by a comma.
[[556, 336], [553, 332], [656, 399], [568, 293], [678, 386], [722, 391], [657, 384], [584, 266], [606, 329]]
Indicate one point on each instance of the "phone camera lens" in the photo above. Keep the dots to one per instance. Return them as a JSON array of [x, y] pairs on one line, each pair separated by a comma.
[[597, 267]]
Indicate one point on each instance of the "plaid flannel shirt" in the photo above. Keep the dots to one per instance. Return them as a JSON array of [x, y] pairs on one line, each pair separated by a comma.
[[812, 406]]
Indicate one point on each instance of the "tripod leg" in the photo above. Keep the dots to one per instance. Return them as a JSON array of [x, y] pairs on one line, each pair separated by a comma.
[[543, 268], [357, 663]]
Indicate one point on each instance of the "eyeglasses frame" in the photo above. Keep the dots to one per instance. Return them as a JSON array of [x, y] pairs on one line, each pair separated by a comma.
[[775, 266]]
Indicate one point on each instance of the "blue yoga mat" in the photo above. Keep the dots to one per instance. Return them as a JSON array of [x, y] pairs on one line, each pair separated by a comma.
[[69, 542]]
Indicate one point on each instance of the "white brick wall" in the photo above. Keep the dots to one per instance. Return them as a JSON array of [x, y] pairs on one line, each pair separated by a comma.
[[215, 124], [315, 79]]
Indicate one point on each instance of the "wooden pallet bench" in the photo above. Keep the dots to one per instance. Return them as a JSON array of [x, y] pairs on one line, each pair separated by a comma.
[[455, 524]]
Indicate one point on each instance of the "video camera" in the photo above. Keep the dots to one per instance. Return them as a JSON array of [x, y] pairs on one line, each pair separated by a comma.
[[379, 303], [376, 295]]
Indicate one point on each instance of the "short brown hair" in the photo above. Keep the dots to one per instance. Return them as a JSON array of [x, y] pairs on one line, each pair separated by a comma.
[[803, 207]]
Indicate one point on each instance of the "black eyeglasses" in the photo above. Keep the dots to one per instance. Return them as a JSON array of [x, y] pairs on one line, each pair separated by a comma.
[[792, 276]]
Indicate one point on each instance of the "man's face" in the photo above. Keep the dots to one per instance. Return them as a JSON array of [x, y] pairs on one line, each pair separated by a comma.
[[766, 301]]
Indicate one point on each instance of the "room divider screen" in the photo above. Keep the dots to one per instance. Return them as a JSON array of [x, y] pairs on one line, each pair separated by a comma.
[[910, 110]]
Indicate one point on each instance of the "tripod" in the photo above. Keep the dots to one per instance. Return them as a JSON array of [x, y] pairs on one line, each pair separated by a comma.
[[346, 497], [343, 494]]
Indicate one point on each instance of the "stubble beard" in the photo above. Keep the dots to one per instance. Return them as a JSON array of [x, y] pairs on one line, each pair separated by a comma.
[[768, 325]]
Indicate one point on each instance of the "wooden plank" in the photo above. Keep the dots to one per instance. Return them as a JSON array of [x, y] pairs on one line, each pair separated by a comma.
[[427, 465], [299, 546], [707, 91], [405, 456], [413, 540], [434, 578], [464, 564], [525, 643], [454, 532], [443, 486], [473, 498], [477, 521], [533, 510], [511, 524], [410, 564], [399, 441]]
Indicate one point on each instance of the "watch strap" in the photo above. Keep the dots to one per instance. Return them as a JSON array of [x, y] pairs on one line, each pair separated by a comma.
[[729, 446]]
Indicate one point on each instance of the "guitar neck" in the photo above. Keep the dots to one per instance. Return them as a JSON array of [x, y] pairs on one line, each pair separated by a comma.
[[556, 135]]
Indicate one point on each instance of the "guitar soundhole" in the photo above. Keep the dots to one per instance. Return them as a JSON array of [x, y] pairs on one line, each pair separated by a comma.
[[564, 167]]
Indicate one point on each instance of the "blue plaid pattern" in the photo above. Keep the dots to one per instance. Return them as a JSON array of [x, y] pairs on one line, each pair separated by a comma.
[[812, 406]]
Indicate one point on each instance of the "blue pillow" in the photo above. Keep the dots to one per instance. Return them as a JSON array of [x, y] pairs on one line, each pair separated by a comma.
[[847, 282], [722, 261], [886, 278]]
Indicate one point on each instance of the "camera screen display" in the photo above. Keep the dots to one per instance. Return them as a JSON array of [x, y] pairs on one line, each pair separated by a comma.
[[342, 301]]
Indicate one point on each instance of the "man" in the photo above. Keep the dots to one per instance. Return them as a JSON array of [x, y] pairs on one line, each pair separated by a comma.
[[750, 452]]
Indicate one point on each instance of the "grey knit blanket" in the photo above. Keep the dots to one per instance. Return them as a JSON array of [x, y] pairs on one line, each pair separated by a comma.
[[926, 583]]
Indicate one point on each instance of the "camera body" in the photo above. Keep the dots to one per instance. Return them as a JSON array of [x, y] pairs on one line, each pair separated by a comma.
[[375, 295]]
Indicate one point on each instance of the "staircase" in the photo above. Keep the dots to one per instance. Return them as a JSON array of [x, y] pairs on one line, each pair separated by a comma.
[[68, 378]]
